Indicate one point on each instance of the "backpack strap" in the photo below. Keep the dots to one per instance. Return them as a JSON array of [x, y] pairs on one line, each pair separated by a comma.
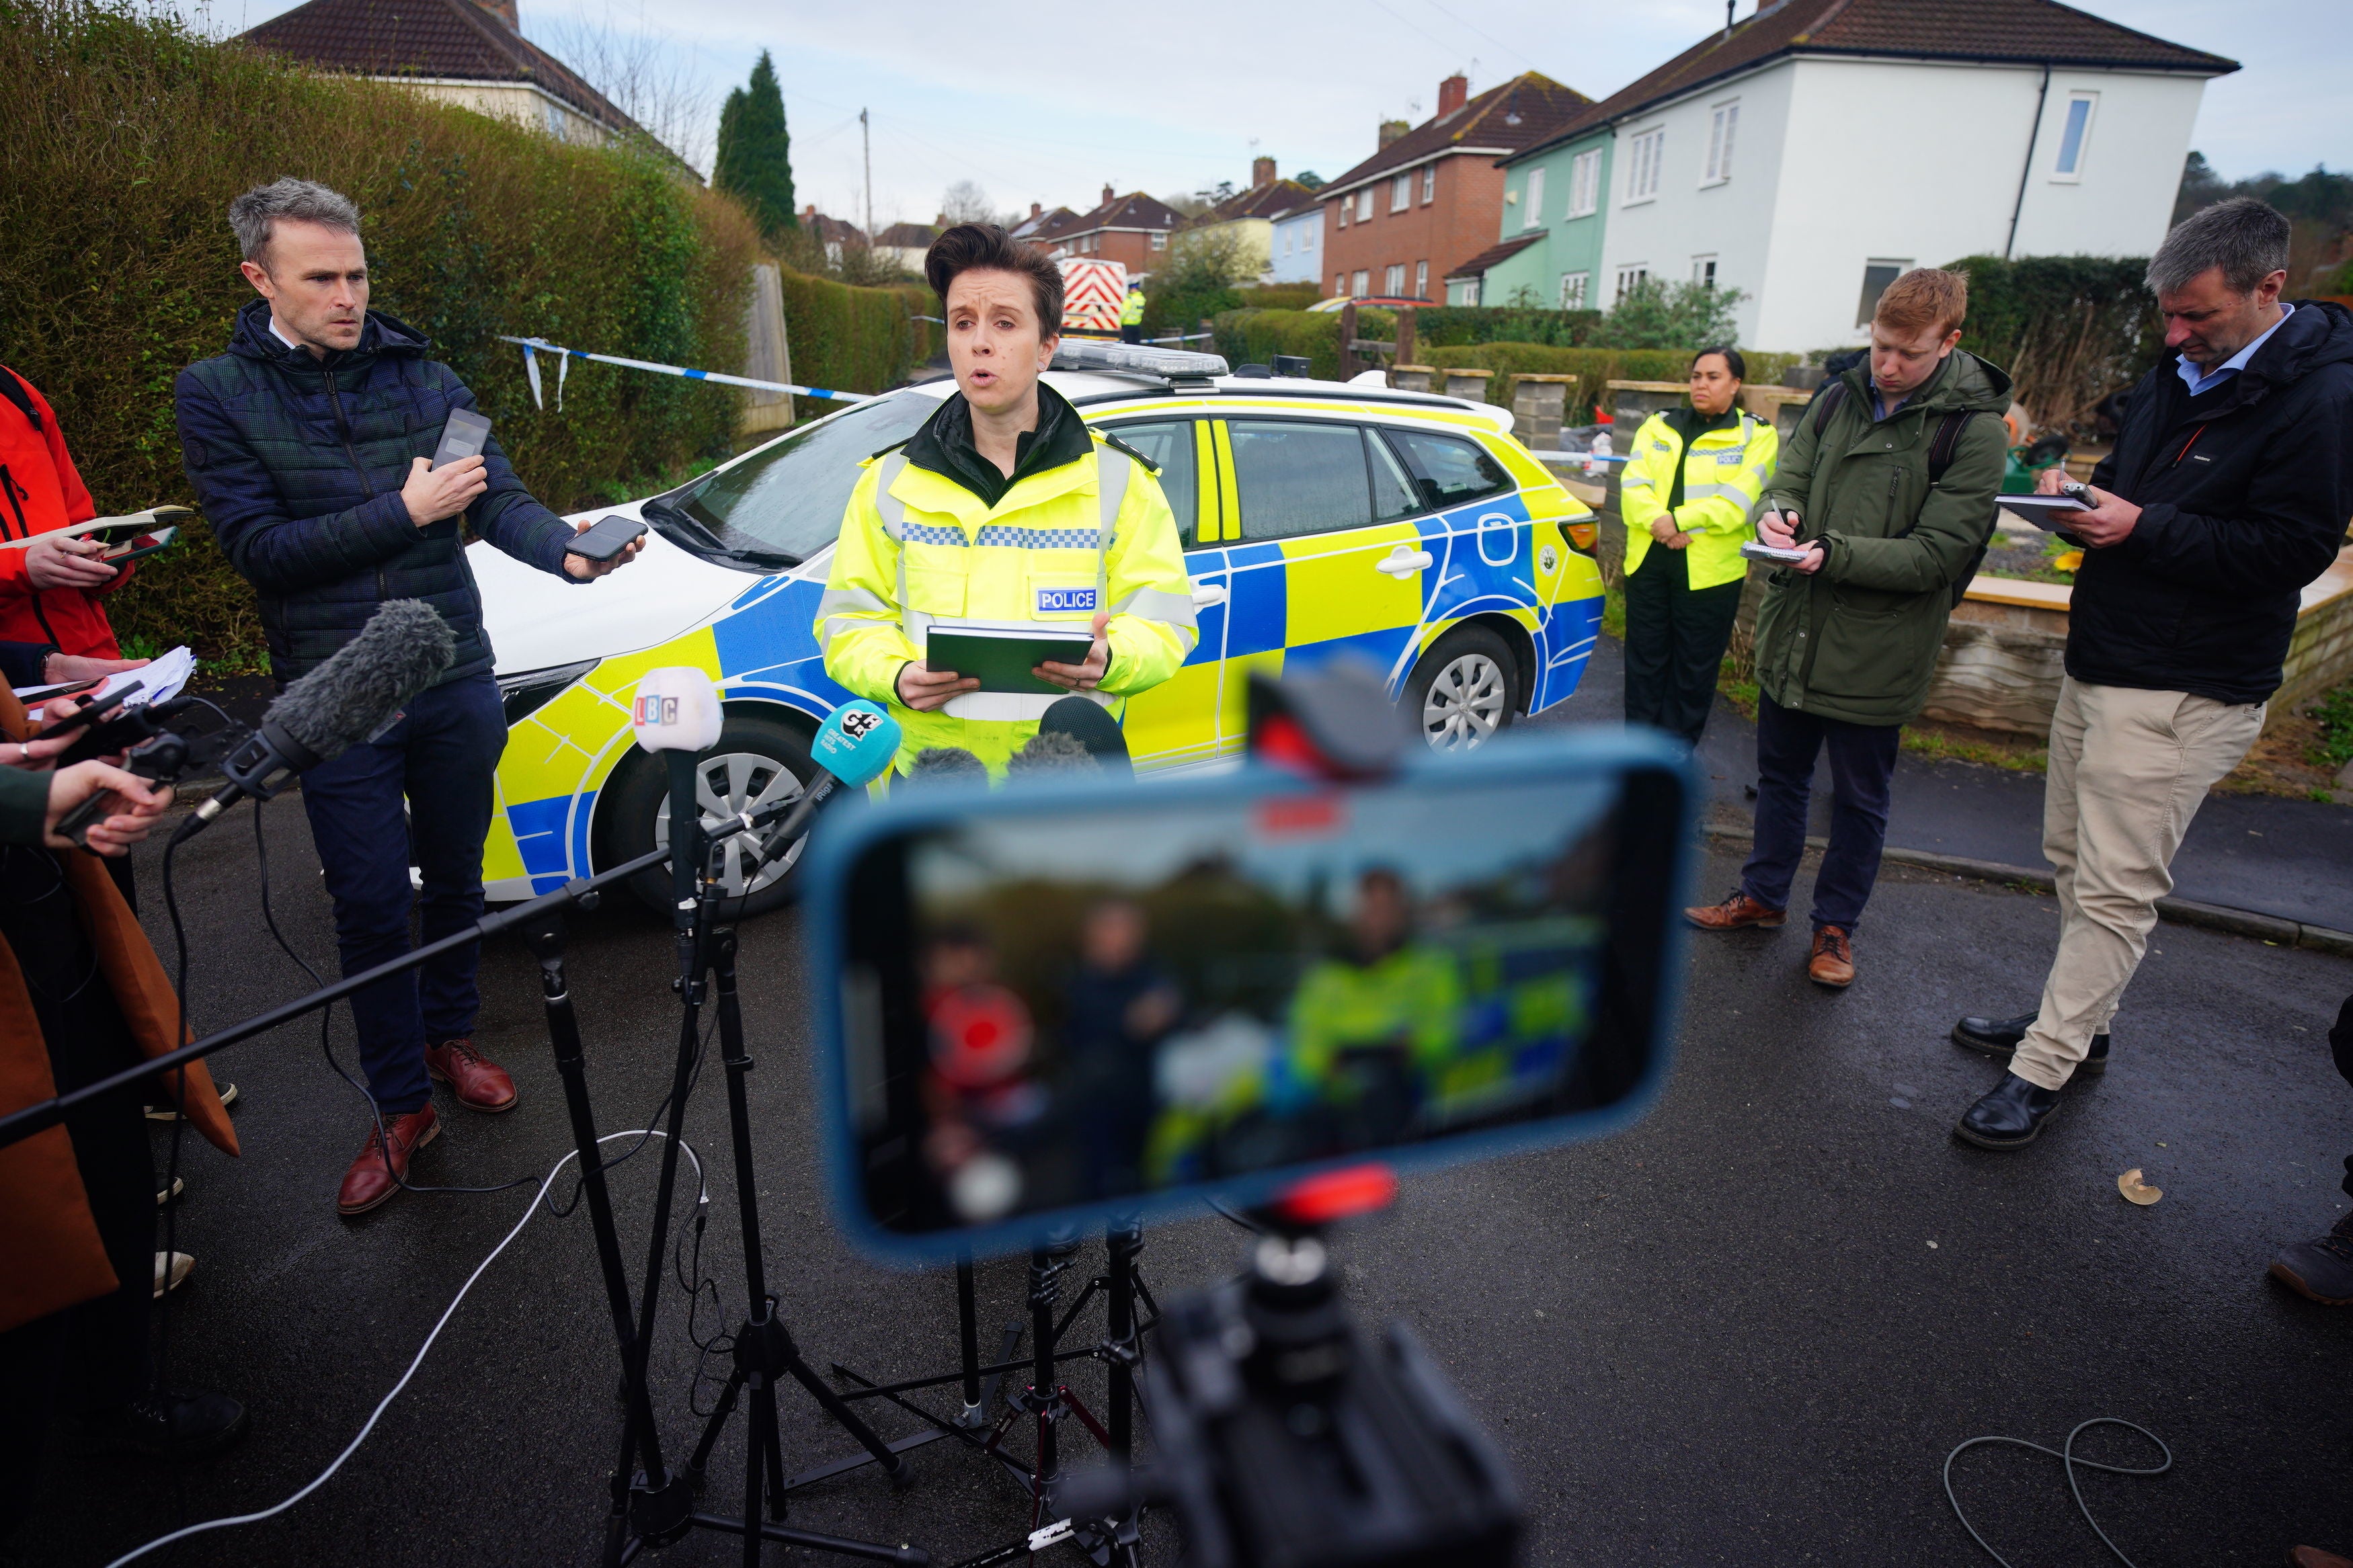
[[1947, 438], [14, 388], [1825, 404]]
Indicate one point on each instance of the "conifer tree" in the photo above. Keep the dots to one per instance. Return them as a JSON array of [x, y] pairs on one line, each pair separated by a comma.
[[754, 163]]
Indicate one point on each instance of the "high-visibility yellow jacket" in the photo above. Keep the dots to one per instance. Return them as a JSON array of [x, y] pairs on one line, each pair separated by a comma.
[[917, 547], [1723, 473], [1132, 312]]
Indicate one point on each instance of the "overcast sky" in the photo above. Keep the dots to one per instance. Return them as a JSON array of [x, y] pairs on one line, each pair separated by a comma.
[[1047, 101]]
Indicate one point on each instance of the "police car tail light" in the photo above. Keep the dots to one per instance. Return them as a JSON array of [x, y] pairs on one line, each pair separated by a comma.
[[1582, 535]]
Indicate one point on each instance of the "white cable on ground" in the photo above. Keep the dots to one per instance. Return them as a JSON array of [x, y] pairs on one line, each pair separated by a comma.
[[377, 1414]]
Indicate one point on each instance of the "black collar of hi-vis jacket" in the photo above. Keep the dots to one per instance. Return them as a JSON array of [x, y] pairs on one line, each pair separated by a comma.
[[945, 445]]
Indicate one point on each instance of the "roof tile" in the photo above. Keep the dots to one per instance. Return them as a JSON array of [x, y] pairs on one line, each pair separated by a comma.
[[1518, 113]]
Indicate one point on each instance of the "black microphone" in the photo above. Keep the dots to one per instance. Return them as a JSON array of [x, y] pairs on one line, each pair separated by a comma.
[[1091, 726], [356, 694]]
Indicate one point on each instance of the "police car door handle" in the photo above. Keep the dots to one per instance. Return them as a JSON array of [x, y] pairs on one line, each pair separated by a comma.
[[1209, 594], [1402, 559]]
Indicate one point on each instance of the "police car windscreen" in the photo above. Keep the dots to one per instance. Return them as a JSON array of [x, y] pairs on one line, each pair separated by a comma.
[[1250, 985], [784, 504]]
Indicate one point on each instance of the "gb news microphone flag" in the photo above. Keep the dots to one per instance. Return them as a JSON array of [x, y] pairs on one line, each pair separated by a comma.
[[533, 347]]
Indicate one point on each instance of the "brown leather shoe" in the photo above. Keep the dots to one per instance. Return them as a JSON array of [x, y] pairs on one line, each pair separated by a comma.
[[1832, 960], [482, 1084], [1737, 910], [376, 1175]]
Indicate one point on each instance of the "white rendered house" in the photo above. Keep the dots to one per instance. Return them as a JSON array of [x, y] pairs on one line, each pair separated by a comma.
[[1812, 152]]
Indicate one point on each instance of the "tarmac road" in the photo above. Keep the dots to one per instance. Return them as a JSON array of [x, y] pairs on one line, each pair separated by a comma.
[[1747, 1331]]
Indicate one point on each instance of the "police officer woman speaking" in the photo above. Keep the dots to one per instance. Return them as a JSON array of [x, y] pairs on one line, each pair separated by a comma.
[[1004, 506], [1692, 477]]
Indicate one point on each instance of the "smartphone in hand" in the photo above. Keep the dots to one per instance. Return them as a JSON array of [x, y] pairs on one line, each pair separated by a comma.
[[465, 435], [607, 538]]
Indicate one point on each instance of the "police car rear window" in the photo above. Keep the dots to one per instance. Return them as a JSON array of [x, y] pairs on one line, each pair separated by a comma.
[[784, 504], [1448, 470]]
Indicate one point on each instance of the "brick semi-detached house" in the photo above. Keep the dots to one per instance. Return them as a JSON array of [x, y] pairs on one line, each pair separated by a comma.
[[1132, 230], [1432, 197]]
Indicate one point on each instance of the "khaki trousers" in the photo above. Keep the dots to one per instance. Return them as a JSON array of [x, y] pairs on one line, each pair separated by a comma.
[[2128, 769]]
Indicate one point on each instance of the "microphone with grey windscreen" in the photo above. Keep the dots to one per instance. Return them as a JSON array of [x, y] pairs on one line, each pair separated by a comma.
[[357, 693]]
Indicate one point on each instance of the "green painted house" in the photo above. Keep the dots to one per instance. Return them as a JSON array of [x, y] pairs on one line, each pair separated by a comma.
[[1549, 252]]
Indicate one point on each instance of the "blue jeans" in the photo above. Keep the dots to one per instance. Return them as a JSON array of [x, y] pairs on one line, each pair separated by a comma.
[[1862, 762], [440, 758]]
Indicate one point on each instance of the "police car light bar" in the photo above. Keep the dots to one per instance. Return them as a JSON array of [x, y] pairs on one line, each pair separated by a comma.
[[1129, 359]]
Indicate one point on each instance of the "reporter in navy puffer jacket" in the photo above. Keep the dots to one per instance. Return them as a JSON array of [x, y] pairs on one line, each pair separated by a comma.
[[309, 445]]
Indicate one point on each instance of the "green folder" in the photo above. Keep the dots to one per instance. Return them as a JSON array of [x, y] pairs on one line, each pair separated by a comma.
[[1001, 655]]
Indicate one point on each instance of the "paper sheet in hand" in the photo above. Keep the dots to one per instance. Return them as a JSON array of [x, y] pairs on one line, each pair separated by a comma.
[[159, 680], [1758, 550], [2048, 514], [1000, 654]]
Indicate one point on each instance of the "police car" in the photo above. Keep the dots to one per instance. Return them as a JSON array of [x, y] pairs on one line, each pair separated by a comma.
[[1321, 521]]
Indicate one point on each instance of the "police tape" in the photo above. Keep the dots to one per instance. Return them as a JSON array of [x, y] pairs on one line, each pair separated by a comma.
[[533, 347]]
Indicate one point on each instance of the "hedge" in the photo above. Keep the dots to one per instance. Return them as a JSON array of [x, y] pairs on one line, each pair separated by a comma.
[[1280, 296], [125, 137], [1255, 337], [2071, 328], [1451, 326], [853, 339], [1594, 368]]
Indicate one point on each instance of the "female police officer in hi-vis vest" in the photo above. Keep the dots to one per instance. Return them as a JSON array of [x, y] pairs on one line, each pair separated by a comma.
[[1692, 477], [1004, 506]]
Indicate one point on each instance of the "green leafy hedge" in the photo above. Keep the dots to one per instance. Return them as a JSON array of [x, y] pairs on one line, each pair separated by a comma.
[[129, 134], [2070, 329], [1451, 326], [853, 339], [1594, 369], [1255, 337], [1280, 296]]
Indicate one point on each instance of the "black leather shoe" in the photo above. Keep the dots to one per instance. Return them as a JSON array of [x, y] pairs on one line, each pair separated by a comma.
[[166, 1425], [2000, 1036], [2010, 1116], [2321, 1270]]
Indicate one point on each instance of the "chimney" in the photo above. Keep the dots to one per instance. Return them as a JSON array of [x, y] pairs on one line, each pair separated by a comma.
[[1453, 94], [1108, 194], [1036, 210], [1262, 172], [504, 10], [1391, 129]]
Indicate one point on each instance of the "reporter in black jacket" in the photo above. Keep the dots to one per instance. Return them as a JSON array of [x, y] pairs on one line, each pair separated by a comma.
[[2227, 493]]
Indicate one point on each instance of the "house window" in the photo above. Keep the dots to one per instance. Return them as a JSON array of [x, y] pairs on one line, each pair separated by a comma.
[[1722, 125], [1365, 204], [1428, 183], [1632, 277], [1393, 281], [1704, 271], [1585, 183], [1421, 280], [1400, 193], [1160, 240], [1644, 154], [1345, 205], [1573, 288], [1307, 233], [2073, 134], [1532, 205], [1339, 285], [1876, 276], [1363, 280]]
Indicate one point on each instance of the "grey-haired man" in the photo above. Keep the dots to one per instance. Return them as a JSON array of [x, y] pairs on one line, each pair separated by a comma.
[[2227, 493]]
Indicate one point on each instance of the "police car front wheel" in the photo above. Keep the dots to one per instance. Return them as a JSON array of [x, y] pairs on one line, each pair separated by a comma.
[[1463, 689], [758, 760]]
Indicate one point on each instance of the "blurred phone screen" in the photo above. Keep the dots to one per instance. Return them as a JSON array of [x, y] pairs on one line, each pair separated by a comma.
[[1072, 1008]]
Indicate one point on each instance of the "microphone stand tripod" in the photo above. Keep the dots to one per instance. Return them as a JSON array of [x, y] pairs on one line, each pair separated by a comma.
[[655, 1508]]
